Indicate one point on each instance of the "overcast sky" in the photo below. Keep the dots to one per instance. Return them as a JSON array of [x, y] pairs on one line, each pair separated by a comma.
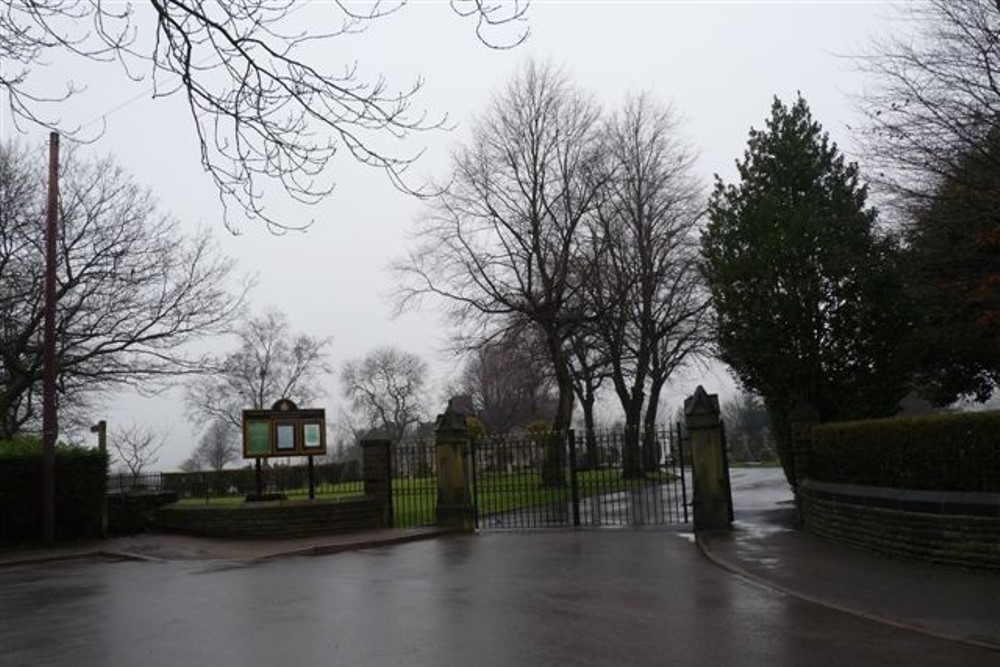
[[718, 63]]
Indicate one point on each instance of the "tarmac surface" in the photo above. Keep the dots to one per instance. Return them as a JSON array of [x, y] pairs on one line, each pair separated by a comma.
[[593, 597], [765, 546]]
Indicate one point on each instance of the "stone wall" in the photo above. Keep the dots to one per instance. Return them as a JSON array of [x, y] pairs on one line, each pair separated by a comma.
[[300, 518], [951, 528], [135, 511]]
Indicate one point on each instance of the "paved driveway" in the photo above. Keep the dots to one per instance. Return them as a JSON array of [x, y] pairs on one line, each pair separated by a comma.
[[625, 597]]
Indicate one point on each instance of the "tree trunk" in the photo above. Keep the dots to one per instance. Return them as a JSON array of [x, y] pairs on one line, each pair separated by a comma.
[[631, 450], [7, 426], [651, 450], [554, 462], [591, 458]]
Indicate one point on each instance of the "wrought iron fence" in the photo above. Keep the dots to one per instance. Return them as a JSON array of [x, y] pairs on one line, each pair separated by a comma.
[[601, 478], [520, 481], [332, 480], [413, 470], [414, 483], [125, 482]]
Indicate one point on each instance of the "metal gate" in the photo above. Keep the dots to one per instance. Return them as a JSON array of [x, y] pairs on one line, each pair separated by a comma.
[[606, 478]]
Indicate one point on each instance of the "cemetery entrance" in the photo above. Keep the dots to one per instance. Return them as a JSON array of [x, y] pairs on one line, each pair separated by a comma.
[[549, 480]]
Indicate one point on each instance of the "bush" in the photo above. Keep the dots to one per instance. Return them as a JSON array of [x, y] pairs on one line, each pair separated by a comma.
[[947, 452], [81, 483]]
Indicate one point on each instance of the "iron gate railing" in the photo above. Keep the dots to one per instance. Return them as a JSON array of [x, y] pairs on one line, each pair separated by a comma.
[[413, 489], [605, 478]]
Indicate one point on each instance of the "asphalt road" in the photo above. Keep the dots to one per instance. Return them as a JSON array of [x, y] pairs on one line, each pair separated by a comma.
[[611, 597]]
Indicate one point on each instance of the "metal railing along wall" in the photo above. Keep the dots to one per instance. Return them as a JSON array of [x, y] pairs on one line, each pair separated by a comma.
[[332, 480]]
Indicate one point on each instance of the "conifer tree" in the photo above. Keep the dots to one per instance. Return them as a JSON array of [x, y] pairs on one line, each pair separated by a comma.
[[807, 301]]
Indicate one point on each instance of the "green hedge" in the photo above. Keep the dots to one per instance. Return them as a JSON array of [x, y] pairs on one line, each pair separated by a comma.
[[81, 483], [945, 452]]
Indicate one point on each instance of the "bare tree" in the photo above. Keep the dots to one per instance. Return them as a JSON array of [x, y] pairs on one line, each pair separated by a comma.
[[132, 289], [933, 136], [386, 385], [135, 448], [748, 428], [193, 463], [498, 246], [509, 381], [644, 286], [270, 363], [589, 367], [263, 106], [934, 100], [348, 433], [218, 445]]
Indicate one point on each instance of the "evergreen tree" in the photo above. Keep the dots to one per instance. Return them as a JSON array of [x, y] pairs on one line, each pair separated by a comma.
[[806, 296]]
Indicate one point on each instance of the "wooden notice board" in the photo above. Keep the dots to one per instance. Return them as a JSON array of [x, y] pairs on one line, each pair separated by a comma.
[[284, 430]]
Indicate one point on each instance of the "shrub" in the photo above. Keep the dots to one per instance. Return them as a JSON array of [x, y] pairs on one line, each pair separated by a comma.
[[81, 483], [946, 452]]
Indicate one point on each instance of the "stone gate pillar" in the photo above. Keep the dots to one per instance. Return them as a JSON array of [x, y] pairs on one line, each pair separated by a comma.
[[377, 471], [454, 502], [708, 470], [801, 420]]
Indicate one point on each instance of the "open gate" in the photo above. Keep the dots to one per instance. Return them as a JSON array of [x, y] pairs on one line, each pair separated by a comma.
[[606, 478]]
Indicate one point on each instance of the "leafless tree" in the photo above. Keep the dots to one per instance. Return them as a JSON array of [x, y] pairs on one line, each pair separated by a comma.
[[135, 448], [132, 289], [348, 433], [218, 445], [748, 428], [934, 100], [193, 463], [933, 137], [263, 105], [498, 246], [387, 386], [270, 363], [643, 284], [509, 381], [589, 367]]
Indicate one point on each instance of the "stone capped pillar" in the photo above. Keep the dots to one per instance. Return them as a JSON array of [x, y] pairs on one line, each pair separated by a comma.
[[801, 420], [708, 469], [454, 502], [377, 471]]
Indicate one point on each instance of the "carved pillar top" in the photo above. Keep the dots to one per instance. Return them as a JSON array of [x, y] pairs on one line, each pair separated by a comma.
[[453, 419], [701, 409]]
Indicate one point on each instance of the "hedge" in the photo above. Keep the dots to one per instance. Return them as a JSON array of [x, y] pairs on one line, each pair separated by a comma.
[[943, 452], [81, 483]]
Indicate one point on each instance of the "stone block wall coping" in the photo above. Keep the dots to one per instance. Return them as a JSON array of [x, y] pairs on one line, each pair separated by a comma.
[[962, 503]]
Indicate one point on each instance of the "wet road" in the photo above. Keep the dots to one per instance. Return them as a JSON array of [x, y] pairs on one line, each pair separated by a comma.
[[613, 597]]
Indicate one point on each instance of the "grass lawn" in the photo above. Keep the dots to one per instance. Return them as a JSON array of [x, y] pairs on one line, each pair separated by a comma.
[[415, 498], [756, 464]]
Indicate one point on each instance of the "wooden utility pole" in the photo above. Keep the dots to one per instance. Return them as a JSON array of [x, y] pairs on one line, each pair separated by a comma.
[[101, 429], [50, 423]]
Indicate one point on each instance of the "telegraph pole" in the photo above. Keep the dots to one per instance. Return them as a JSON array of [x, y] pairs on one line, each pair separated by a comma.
[[101, 429], [50, 424]]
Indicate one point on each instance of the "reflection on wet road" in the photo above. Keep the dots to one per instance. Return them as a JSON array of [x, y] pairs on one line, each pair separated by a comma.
[[627, 597]]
